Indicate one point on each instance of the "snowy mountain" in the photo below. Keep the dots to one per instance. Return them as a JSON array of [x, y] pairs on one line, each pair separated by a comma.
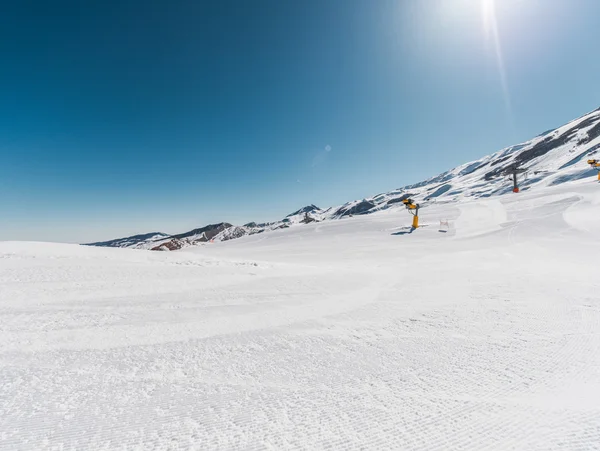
[[145, 241], [554, 157], [307, 209], [191, 238]]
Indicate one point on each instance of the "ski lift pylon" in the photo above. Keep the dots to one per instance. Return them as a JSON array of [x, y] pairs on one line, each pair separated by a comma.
[[513, 171]]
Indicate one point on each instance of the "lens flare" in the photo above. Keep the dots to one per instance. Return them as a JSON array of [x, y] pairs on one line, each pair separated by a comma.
[[490, 25]]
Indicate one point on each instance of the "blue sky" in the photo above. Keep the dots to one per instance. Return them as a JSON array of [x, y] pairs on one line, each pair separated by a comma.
[[135, 116]]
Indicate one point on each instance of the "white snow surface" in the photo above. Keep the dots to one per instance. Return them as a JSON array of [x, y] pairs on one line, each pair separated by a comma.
[[349, 334]]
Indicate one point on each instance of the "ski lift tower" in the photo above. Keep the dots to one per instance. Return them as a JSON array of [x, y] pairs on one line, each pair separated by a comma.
[[413, 209], [513, 172], [596, 165]]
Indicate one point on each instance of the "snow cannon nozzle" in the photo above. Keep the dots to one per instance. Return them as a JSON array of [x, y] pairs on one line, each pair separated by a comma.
[[596, 165], [410, 205]]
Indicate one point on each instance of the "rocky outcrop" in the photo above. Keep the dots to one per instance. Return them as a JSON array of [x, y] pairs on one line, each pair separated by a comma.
[[196, 236], [171, 245], [143, 240], [232, 233], [205, 233], [359, 208]]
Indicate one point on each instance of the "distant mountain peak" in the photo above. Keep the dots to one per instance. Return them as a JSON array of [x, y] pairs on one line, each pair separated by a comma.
[[131, 241], [207, 230], [308, 209]]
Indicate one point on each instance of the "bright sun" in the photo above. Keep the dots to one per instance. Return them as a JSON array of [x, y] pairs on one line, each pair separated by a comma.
[[490, 26], [488, 13]]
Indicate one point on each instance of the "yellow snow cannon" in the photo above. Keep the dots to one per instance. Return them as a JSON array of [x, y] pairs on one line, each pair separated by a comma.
[[596, 165], [413, 209]]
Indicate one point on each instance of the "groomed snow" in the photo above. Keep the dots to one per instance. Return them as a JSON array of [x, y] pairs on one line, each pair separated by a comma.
[[349, 334]]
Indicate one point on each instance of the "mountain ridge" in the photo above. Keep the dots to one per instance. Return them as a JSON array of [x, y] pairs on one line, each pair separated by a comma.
[[553, 157]]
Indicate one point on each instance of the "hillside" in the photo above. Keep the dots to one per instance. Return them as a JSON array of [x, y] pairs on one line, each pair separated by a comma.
[[143, 241], [552, 158]]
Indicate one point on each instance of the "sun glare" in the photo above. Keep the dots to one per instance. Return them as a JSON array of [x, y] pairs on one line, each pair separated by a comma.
[[490, 27], [488, 10]]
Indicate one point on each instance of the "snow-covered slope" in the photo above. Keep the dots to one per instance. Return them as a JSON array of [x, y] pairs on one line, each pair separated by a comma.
[[349, 334], [555, 157], [145, 241], [552, 158]]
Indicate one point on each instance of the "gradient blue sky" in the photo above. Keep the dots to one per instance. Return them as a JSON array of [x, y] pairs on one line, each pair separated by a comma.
[[123, 117]]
